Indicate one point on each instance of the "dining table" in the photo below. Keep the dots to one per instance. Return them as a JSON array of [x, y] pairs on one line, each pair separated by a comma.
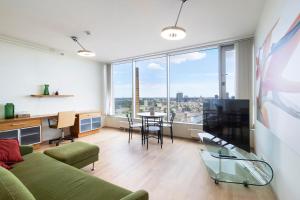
[[147, 116]]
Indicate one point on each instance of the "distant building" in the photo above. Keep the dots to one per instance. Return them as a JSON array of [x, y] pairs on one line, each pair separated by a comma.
[[186, 98], [179, 97], [227, 95]]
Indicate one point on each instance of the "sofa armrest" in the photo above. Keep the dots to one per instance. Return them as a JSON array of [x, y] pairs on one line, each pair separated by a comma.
[[138, 195], [25, 149]]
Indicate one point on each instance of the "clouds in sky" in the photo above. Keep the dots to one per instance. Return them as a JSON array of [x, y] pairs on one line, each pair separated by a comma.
[[187, 57], [178, 59], [155, 66]]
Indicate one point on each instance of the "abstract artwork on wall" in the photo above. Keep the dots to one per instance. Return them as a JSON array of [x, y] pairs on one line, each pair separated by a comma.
[[278, 81]]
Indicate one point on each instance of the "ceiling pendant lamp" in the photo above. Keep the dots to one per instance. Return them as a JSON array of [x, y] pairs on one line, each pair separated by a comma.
[[83, 52], [174, 32]]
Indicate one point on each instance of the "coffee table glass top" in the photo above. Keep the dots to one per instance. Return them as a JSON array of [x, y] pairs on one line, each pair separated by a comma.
[[234, 165]]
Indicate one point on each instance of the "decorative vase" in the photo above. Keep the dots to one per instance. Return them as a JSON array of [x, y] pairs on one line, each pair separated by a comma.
[[9, 112], [46, 89]]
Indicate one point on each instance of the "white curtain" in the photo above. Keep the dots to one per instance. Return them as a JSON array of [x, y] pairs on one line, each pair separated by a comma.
[[244, 64], [107, 101], [244, 72]]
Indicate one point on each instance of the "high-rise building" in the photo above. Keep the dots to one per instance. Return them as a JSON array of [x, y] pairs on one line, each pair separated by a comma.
[[137, 90], [179, 97], [227, 95]]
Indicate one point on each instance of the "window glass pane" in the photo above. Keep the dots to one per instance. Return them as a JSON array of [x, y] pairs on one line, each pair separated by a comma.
[[230, 73], [151, 85], [122, 88], [193, 76]]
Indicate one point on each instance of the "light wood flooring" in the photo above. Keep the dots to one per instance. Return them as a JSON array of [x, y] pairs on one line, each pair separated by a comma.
[[175, 172]]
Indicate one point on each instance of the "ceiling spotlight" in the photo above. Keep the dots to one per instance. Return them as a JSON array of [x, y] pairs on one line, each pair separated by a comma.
[[83, 52], [174, 32]]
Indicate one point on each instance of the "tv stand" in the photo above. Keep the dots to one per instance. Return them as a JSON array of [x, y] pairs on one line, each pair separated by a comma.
[[229, 164]]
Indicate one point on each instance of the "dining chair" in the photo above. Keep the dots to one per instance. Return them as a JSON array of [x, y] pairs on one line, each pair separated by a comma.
[[132, 125], [153, 128], [169, 124]]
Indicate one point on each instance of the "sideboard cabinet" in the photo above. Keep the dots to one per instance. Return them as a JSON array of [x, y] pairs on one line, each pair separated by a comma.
[[87, 124], [28, 132]]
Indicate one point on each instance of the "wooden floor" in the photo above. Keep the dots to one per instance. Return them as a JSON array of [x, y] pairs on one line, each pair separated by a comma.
[[174, 172]]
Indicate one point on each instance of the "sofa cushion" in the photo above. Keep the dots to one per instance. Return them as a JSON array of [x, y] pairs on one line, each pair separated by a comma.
[[73, 153], [10, 151], [11, 187], [138, 195], [49, 179]]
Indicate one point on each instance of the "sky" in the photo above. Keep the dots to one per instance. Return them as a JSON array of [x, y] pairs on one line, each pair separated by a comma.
[[195, 74]]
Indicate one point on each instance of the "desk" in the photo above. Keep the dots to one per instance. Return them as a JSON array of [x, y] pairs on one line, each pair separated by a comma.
[[29, 130]]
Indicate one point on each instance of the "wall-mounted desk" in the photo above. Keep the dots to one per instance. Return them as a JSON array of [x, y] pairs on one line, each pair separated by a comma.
[[28, 130]]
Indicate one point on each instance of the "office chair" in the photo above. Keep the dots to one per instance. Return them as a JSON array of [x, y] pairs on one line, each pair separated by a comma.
[[64, 120]]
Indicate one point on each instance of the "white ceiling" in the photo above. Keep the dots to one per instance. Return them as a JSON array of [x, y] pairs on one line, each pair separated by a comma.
[[126, 28]]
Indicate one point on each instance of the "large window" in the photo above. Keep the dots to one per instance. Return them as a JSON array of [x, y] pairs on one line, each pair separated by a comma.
[[193, 77], [230, 71], [175, 83], [122, 88], [151, 84]]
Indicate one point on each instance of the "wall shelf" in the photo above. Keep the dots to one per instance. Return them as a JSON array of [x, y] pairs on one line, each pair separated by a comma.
[[50, 96]]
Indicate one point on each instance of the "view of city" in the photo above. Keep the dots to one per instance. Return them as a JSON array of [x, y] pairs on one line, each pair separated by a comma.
[[187, 109], [193, 77]]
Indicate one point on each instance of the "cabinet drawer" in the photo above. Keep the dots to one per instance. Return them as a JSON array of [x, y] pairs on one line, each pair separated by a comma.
[[30, 136], [12, 134], [89, 115], [19, 124]]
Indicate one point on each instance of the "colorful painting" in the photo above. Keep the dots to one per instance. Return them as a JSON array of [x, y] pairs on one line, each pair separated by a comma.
[[278, 81]]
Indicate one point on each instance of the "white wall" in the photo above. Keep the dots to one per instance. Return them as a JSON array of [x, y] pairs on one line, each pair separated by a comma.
[[284, 160], [24, 70]]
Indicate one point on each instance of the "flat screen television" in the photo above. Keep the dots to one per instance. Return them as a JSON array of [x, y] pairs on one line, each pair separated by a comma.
[[228, 119]]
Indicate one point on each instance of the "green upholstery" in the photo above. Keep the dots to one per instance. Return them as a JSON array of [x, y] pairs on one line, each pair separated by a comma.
[[47, 178], [12, 188], [77, 154], [138, 195], [26, 149]]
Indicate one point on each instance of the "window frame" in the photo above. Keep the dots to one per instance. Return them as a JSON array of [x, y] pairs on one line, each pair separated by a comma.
[[222, 75]]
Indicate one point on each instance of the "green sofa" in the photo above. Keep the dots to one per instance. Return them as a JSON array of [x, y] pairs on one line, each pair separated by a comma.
[[49, 179]]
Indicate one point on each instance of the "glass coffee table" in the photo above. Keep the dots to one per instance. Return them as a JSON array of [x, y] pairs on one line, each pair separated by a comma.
[[229, 164]]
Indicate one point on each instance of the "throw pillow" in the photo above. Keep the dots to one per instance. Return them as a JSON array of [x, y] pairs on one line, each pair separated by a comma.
[[10, 151]]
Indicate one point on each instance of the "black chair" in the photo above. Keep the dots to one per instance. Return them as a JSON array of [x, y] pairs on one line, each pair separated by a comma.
[[170, 124], [152, 128], [132, 125]]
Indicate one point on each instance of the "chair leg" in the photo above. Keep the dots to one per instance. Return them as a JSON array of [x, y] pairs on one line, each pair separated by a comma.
[[171, 128], [147, 137], [93, 167], [142, 137], [158, 137], [129, 135], [161, 139]]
